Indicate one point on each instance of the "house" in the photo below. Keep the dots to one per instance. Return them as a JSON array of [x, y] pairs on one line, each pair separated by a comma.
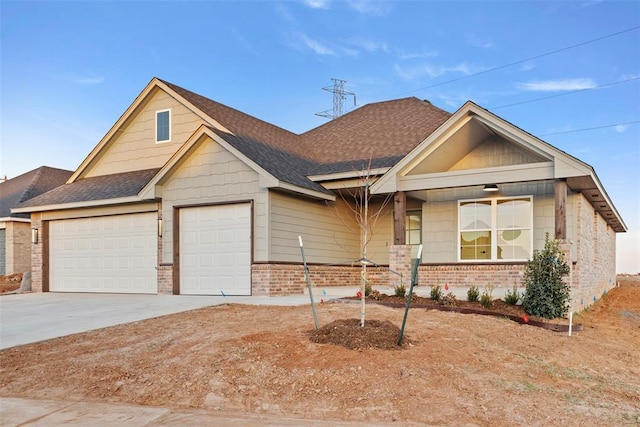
[[15, 228], [185, 195]]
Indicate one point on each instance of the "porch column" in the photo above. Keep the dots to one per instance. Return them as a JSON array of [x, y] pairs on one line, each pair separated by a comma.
[[560, 198], [399, 214]]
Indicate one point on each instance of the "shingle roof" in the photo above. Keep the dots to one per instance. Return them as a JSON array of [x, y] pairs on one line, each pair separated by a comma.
[[95, 188], [382, 132], [27, 186]]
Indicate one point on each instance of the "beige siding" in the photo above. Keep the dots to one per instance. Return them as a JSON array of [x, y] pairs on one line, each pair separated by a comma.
[[495, 152], [329, 231], [135, 147], [211, 175], [440, 217]]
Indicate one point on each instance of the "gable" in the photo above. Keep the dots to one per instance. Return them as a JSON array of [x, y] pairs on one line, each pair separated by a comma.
[[133, 146], [475, 146]]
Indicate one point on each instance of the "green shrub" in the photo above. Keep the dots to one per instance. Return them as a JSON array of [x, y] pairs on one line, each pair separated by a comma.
[[449, 300], [486, 300], [367, 289], [400, 291], [473, 294], [436, 292], [546, 294], [512, 297]]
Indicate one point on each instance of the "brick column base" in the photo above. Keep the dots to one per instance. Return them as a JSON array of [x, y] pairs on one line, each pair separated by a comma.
[[400, 266]]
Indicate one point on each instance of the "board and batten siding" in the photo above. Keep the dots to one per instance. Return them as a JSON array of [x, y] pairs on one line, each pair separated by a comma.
[[329, 231], [135, 147], [440, 217], [211, 175]]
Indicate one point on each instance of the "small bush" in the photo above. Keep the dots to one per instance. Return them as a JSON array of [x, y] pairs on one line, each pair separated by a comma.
[[374, 295], [436, 292], [473, 294], [400, 291], [367, 289], [546, 294], [512, 297], [486, 300], [449, 300]]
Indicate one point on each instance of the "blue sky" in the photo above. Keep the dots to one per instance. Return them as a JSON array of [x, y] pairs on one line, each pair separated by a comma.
[[70, 69]]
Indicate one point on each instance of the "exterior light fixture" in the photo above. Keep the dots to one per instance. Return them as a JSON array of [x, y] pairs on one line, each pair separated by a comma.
[[34, 235], [490, 188], [159, 227]]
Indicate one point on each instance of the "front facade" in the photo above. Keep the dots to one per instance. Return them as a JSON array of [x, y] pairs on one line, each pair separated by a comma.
[[187, 196]]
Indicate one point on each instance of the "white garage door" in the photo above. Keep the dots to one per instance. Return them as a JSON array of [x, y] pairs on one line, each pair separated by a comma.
[[115, 254], [215, 250]]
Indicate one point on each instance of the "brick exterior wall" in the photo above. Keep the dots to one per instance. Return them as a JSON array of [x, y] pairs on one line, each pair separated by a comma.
[[36, 256], [165, 279], [595, 271], [400, 266], [18, 247], [467, 275], [289, 279]]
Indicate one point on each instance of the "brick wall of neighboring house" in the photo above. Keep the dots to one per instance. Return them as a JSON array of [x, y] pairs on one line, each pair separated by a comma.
[[21, 247], [289, 279], [36, 255], [594, 272], [18, 247]]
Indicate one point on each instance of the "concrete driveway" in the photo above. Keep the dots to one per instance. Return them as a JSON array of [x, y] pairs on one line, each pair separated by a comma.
[[33, 317]]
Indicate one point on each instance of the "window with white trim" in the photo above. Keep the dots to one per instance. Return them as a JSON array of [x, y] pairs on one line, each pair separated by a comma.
[[163, 126], [495, 229]]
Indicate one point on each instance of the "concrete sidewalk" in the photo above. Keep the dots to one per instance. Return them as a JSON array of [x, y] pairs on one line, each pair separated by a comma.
[[33, 412]]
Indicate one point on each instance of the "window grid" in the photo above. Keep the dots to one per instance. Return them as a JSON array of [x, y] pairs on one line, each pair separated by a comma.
[[495, 229], [163, 126]]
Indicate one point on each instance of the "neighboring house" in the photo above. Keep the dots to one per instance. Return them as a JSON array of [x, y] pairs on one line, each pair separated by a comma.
[[15, 228], [185, 195]]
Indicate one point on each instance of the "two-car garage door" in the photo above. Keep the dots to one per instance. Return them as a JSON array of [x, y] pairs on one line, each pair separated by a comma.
[[115, 254]]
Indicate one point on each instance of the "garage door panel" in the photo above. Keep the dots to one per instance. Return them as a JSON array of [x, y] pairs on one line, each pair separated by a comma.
[[215, 245], [104, 254]]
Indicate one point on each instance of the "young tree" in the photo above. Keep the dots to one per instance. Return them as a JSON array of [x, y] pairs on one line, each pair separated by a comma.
[[546, 294], [358, 200]]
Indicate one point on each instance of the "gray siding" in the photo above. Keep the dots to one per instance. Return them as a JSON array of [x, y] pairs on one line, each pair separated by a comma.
[[440, 217], [211, 175], [329, 231]]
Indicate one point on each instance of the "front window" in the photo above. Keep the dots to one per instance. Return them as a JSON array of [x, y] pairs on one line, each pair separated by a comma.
[[413, 228], [495, 229], [163, 126]]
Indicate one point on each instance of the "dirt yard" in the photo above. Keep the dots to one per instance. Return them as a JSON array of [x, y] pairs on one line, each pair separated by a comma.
[[455, 369]]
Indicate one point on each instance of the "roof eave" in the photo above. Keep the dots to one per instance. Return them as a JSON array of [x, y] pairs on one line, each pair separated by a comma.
[[347, 175], [14, 219], [80, 205]]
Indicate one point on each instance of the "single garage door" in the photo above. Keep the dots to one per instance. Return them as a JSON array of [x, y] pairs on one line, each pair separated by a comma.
[[115, 254], [215, 250]]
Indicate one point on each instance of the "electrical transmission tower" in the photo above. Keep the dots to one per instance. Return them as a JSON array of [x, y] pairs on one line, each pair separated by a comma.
[[339, 95]]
